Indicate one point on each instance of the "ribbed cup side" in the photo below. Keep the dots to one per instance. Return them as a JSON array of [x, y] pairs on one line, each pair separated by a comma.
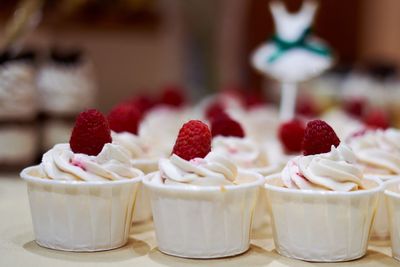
[[86, 218], [203, 224], [321, 227], [142, 209], [393, 206]]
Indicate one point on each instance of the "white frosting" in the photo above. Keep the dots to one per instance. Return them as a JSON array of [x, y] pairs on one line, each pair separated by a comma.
[[343, 124], [335, 171], [112, 163], [242, 151], [143, 156], [130, 142], [17, 91], [60, 86], [254, 121], [378, 151], [213, 170], [160, 127]]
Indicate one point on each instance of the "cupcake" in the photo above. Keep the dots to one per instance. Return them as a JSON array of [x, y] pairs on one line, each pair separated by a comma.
[[162, 141], [202, 204], [230, 141], [255, 119], [64, 78], [322, 207], [344, 124], [19, 139], [124, 120], [279, 151], [392, 195], [378, 154], [82, 194]]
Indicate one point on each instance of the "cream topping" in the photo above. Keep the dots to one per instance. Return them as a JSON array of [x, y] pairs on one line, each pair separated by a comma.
[[378, 151], [334, 171], [112, 163], [135, 146], [213, 170], [242, 151]]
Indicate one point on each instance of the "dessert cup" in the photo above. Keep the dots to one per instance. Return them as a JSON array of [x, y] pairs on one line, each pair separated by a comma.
[[380, 228], [142, 211], [322, 226], [204, 221], [392, 196], [80, 216]]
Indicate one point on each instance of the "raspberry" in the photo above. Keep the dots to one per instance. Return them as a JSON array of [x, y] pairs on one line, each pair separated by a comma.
[[143, 103], [124, 118], [291, 134], [225, 126], [253, 99], [306, 107], [193, 141], [215, 110], [377, 119], [355, 107], [173, 96], [91, 132], [319, 138]]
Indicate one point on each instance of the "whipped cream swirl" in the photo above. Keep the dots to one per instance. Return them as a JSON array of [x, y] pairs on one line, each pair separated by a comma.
[[242, 151], [112, 163], [131, 142], [378, 151], [334, 171], [213, 170]]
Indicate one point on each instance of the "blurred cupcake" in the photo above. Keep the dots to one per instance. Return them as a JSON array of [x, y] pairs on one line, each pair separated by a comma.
[[229, 140], [344, 124], [162, 141], [255, 121], [65, 78], [124, 120], [378, 154], [66, 85], [202, 204], [82, 193], [18, 110], [322, 207]]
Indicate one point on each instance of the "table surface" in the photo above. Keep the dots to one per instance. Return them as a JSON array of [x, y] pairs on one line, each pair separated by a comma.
[[18, 248]]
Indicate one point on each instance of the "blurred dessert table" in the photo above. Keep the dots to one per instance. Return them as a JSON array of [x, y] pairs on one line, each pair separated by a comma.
[[18, 248]]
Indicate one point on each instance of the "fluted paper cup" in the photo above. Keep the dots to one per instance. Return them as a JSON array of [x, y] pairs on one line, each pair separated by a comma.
[[262, 217], [322, 226], [142, 212], [380, 228], [80, 216], [204, 222], [392, 195]]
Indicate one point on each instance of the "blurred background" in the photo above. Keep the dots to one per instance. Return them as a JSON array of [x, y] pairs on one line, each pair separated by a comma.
[[61, 56]]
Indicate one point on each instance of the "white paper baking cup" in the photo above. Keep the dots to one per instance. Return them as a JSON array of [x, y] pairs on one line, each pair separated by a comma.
[[380, 228], [322, 226], [80, 216], [142, 212], [262, 217], [392, 196], [203, 221]]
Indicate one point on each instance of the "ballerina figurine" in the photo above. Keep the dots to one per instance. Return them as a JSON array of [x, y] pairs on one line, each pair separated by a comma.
[[293, 54]]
